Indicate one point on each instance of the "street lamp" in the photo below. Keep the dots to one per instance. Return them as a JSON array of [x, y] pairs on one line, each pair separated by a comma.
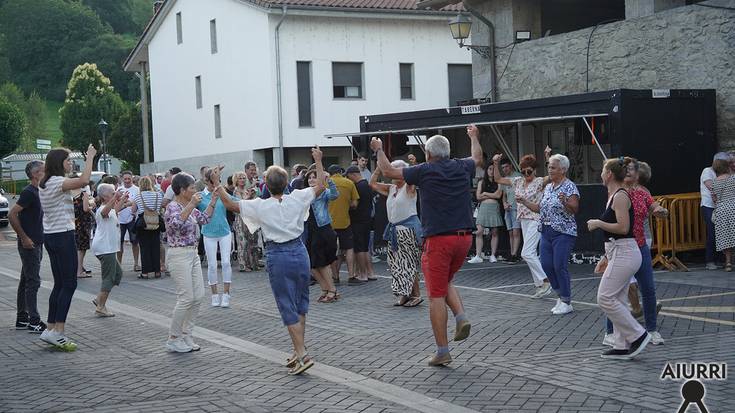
[[103, 129], [460, 27]]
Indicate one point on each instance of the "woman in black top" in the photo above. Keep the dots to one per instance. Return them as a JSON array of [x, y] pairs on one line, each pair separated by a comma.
[[623, 260]]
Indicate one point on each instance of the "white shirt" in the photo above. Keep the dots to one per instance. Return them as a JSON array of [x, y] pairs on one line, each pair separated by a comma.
[[107, 235], [169, 193], [58, 207], [708, 174], [281, 221], [399, 204], [126, 215]]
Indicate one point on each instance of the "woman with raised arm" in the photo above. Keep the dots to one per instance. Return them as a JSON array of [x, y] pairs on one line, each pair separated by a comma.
[[528, 187], [59, 237], [623, 260], [488, 215], [282, 219], [404, 236], [321, 240]]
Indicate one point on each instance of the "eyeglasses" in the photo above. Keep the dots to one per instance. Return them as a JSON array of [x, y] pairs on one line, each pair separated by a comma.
[[527, 172]]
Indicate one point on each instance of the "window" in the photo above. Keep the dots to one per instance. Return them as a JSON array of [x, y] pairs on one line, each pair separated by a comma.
[[198, 87], [217, 123], [460, 83], [213, 35], [406, 74], [179, 32], [303, 85], [347, 80]]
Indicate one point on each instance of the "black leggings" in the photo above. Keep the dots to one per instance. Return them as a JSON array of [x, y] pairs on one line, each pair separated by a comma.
[[150, 251], [62, 254]]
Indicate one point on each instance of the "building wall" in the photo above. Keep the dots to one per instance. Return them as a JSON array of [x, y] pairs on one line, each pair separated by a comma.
[[381, 44], [690, 47], [238, 78]]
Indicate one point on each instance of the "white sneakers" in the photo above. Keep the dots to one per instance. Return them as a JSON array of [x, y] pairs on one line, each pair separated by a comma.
[[542, 291], [178, 345], [475, 260], [711, 266], [561, 308], [221, 300], [190, 342], [656, 338], [493, 259]]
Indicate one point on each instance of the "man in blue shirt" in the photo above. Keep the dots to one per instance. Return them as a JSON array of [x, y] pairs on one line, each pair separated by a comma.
[[446, 220]]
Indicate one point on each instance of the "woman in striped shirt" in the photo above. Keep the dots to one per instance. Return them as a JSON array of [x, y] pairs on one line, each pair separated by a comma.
[[149, 239], [58, 227]]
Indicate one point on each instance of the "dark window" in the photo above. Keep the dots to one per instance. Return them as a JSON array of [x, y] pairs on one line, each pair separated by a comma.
[[460, 83], [347, 80], [303, 85], [179, 32], [406, 74], [217, 123], [213, 35], [198, 87]]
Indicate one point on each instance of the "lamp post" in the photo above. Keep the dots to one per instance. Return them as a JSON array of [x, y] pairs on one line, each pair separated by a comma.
[[460, 27], [103, 129]]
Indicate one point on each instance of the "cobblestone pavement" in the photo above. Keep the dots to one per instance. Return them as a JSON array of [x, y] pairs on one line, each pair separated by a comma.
[[371, 356]]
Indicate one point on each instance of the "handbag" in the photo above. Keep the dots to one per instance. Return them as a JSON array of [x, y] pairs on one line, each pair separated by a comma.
[[151, 218]]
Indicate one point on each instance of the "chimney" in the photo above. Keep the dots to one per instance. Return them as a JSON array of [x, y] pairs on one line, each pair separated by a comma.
[[157, 6]]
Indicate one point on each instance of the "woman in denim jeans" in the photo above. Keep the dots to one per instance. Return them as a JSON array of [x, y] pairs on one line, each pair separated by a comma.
[[558, 205], [322, 240]]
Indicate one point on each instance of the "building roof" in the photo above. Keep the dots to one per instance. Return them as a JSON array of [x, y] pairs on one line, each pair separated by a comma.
[[140, 51], [354, 4], [26, 157]]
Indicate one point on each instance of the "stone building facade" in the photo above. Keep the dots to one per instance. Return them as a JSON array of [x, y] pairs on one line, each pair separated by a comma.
[[659, 44]]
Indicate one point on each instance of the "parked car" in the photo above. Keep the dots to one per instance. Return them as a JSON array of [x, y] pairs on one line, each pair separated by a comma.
[[4, 209]]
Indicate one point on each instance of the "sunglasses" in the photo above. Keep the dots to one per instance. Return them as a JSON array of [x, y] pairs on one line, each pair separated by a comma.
[[527, 172]]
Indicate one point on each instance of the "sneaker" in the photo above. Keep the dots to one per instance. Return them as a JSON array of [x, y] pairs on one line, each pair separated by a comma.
[[60, 341], [542, 291], [637, 346], [178, 345], [512, 260], [656, 338], [475, 260], [563, 308], [558, 301], [190, 342], [225, 300], [48, 336], [440, 360], [711, 266], [493, 259], [462, 331], [37, 327], [608, 340], [21, 325], [616, 354], [375, 259], [216, 300]]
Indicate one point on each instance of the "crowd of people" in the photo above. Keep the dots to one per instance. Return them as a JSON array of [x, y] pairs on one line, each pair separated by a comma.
[[304, 225]]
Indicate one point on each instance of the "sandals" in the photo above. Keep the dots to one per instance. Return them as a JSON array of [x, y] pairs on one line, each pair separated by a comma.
[[327, 298], [413, 302], [144, 277], [401, 301], [300, 365], [84, 275]]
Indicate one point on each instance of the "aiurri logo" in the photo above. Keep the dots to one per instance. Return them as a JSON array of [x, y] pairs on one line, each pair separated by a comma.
[[693, 390]]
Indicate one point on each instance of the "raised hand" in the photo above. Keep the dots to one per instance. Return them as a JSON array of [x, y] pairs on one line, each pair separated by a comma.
[[317, 154], [91, 152], [473, 131], [547, 152], [497, 157], [376, 144]]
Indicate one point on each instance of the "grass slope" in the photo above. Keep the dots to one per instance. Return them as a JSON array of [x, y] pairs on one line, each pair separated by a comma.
[[52, 130]]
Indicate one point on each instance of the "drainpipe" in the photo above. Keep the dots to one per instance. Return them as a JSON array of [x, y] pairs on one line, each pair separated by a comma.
[[144, 109], [491, 47], [279, 98]]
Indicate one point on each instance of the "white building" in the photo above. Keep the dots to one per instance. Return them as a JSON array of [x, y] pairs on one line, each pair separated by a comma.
[[217, 96]]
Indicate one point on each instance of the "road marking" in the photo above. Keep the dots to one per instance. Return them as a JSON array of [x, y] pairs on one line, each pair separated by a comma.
[[385, 391], [697, 318], [715, 309], [693, 297]]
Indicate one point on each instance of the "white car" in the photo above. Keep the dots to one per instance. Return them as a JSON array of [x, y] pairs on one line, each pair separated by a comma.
[[4, 209]]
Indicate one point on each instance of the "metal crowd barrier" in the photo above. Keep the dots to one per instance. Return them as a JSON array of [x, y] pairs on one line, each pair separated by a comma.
[[683, 230]]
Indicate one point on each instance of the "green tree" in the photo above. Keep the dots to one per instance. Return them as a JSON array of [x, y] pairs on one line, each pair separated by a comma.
[[125, 140], [11, 127], [40, 35], [34, 113], [117, 13], [89, 98], [108, 51]]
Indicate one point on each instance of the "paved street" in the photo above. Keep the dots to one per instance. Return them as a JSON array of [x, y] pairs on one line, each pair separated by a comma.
[[371, 356]]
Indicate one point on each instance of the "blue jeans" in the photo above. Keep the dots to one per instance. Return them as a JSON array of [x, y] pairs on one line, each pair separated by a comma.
[[709, 247], [644, 276], [555, 250], [289, 275], [62, 254]]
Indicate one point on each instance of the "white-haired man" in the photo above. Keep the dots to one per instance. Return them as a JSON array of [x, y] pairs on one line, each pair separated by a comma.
[[446, 221]]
